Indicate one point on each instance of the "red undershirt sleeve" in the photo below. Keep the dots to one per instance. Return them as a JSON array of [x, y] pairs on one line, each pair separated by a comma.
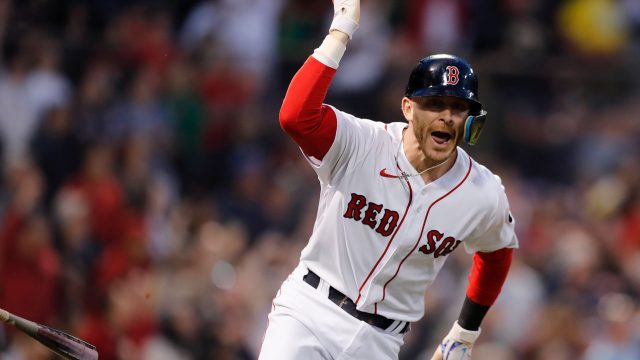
[[303, 116], [488, 273]]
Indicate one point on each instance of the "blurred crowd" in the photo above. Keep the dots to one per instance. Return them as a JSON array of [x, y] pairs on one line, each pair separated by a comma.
[[151, 205]]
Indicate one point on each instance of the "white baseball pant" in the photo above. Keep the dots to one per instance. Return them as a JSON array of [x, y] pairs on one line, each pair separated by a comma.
[[305, 324]]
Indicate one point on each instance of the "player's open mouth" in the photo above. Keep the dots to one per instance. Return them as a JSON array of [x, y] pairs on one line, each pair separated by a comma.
[[440, 137]]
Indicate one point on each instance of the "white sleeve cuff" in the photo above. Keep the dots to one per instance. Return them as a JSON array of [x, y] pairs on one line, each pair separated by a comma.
[[330, 52]]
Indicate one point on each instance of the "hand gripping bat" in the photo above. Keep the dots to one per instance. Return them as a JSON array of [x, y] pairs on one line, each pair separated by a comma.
[[63, 344]]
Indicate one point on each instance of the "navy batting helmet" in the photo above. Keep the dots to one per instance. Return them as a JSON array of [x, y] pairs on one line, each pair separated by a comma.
[[448, 75]]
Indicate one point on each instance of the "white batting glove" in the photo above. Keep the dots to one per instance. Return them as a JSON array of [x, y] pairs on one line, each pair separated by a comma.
[[346, 16], [457, 344]]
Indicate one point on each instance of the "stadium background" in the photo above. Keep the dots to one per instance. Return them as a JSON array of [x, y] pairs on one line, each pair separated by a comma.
[[150, 203]]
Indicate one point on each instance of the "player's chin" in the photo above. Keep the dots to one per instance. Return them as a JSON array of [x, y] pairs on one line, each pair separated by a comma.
[[439, 155], [441, 150]]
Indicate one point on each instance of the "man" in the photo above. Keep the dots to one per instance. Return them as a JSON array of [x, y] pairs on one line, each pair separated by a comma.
[[396, 199]]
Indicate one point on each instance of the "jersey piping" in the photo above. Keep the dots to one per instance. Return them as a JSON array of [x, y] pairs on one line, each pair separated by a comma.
[[384, 289], [389, 242]]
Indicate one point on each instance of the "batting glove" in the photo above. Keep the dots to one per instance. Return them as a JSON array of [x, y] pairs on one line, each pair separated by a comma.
[[346, 16], [457, 344]]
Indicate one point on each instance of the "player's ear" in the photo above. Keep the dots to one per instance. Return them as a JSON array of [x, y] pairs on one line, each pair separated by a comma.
[[407, 108]]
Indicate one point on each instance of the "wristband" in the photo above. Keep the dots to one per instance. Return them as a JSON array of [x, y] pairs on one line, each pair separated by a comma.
[[330, 52], [345, 24]]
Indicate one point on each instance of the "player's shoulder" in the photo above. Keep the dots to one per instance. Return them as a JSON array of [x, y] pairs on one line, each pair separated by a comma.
[[487, 184], [485, 177], [343, 115], [382, 128]]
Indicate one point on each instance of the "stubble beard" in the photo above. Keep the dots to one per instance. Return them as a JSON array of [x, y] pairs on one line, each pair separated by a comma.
[[431, 155], [435, 157]]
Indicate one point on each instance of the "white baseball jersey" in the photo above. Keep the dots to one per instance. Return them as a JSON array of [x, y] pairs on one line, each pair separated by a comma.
[[381, 238]]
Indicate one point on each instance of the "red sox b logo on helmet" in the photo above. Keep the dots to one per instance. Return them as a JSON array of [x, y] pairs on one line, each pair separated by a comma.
[[452, 75]]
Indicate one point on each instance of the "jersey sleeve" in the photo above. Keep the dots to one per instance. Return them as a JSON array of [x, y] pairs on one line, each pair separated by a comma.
[[331, 140], [354, 140], [497, 230]]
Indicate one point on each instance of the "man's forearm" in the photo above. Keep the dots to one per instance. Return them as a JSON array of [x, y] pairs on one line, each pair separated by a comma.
[[488, 274], [340, 36], [472, 314]]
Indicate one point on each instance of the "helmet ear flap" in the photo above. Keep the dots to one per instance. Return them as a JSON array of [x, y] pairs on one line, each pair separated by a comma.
[[473, 127]]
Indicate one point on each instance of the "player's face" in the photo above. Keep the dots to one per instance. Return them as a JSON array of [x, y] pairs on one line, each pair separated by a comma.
[[437, 122]]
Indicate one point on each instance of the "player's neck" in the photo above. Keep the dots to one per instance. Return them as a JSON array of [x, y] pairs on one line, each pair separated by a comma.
[[429, 169]]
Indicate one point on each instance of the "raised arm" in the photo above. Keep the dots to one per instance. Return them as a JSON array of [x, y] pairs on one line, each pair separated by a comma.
[[303, 116]]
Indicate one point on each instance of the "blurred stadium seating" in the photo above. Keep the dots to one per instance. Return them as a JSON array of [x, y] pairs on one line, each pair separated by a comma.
[[151, 205]]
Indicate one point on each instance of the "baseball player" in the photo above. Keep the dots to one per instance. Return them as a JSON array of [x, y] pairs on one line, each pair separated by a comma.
[[396, 200]]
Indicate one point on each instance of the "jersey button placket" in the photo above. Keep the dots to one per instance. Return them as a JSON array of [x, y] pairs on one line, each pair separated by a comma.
[[420, 203]]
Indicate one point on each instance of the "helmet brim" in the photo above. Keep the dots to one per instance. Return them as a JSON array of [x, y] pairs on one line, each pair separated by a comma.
[[440, 91]]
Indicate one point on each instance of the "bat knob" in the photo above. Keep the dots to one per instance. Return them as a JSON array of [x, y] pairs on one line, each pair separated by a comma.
[[4, 315]]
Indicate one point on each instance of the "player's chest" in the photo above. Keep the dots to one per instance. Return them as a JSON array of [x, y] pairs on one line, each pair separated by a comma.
[[405, 214]]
